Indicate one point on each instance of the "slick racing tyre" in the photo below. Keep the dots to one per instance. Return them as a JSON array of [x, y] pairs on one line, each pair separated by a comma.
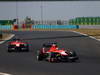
[[9, 51], [27, 50], [73, 53], [39, 57]]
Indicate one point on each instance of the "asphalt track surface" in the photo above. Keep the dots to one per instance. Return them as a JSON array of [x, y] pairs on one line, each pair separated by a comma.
[[23, 63]]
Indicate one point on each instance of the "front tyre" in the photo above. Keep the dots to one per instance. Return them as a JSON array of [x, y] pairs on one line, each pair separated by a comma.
[[27, 50], [9, 51], [73, 53], [39, 57]]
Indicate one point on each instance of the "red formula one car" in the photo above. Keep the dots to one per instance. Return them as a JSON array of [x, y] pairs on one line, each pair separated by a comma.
[[17, 45], [52, 53]]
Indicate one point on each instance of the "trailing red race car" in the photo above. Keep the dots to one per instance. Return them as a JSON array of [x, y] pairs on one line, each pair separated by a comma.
[[52, 53], [18, 45]]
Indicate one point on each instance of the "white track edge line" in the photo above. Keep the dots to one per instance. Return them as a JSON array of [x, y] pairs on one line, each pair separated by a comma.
[[8, 38], [86, 35], [1, 73]]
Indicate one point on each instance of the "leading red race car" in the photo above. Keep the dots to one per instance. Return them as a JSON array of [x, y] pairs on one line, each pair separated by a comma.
[[17, 45], [52, 53]]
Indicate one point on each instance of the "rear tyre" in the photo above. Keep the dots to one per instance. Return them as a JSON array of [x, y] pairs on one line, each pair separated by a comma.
[[72, 60]]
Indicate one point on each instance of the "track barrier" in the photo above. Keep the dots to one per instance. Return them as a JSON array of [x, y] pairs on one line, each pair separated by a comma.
[[6, 27], [55, 26], [32, 27]]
